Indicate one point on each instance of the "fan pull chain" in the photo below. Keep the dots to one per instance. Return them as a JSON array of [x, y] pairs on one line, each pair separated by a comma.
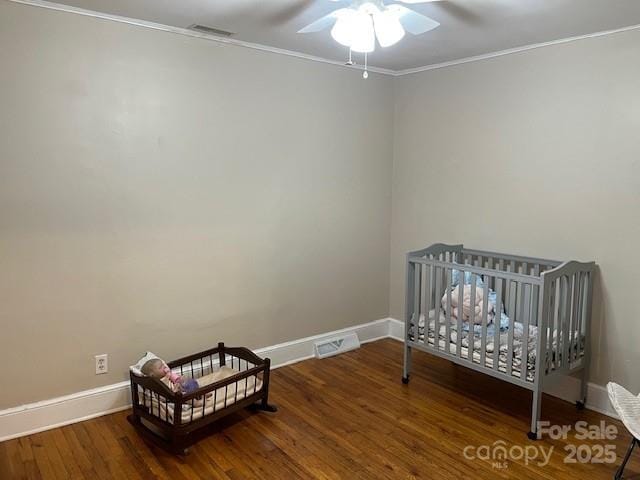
[[350, 61], [365, 74]]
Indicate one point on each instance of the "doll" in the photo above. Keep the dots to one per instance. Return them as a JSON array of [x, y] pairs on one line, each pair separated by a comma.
[[156, 368]]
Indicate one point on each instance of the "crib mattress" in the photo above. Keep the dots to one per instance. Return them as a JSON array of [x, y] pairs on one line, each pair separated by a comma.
[[219, 399], [437, 338]]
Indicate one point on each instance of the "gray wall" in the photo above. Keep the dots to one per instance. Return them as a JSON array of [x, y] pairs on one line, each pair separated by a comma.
[[535, 153], [165, 192]]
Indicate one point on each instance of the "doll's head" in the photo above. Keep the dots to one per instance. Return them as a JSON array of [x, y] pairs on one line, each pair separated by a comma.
[[154, 368]]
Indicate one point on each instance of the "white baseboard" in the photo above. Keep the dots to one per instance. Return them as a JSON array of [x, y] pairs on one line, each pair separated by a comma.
[[56, 412], [40, 416]]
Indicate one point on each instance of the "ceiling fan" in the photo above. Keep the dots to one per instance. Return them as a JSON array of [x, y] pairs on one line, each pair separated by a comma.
[[363, 21]]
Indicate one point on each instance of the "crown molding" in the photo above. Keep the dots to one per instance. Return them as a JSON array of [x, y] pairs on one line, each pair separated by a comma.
[[192, 33], [291, 53], [509, 51]]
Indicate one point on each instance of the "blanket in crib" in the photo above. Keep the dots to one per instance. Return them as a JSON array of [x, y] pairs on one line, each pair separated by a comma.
[[213, 402], [474, 340]]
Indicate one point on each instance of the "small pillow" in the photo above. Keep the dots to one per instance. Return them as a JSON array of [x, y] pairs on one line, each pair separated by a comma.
[[137, 368]]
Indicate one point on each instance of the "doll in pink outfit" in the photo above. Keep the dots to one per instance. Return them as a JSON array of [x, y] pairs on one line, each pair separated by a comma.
[[156, 368]]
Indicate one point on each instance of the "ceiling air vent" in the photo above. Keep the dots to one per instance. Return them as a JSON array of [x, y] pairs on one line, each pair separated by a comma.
[[328, 347], [210, 30]]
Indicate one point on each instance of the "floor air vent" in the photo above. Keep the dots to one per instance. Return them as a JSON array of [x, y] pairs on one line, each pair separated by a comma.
[[333, 346]]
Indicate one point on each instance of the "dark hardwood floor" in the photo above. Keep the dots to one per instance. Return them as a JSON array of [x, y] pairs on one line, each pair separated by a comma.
[[346, 417]]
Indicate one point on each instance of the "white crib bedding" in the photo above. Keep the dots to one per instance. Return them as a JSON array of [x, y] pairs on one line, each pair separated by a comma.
[[219, 399], [518, 339]]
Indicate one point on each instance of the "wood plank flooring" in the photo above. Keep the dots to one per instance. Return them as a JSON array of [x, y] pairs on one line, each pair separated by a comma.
[[346, 417]]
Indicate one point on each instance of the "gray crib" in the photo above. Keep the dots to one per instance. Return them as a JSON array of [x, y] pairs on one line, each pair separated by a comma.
[[532, 319]]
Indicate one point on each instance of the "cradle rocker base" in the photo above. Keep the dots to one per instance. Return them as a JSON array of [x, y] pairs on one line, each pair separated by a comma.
[[263, 407], [174, 421]]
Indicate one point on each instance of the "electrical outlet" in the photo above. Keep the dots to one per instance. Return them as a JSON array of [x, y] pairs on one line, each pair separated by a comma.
[[102, 364]]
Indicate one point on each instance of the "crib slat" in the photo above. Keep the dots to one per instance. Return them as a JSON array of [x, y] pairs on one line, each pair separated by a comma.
[[437, 280], [498, 322], [565, 306], [558, 322], [519, 313], [563, 329], [536, 298], [485, 313], [427, 299], [581, 319], [472, 319], [572, 281], [507, 292], [417, 294], [512, 314], [555, 319], [533, 316], [574, 316], [583, 308], [573, 300], [550, 324], [491, 279], [460, 300], [526, 310], [575, 345], [448, 311]]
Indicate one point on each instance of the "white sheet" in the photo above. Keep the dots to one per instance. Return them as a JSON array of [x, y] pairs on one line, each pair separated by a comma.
[[231, 393]]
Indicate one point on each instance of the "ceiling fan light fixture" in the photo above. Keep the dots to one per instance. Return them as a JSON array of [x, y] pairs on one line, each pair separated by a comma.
[[364, 37], [388, 28], [342, 31], [358, 25], [354, 29], [369, 8]]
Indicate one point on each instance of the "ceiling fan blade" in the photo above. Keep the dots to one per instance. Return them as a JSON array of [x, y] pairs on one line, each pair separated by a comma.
[[291, 12], [322, 23], [413, 22], [461, 13]]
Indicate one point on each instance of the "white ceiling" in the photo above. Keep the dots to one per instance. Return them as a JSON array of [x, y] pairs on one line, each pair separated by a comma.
[[469, 27]]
